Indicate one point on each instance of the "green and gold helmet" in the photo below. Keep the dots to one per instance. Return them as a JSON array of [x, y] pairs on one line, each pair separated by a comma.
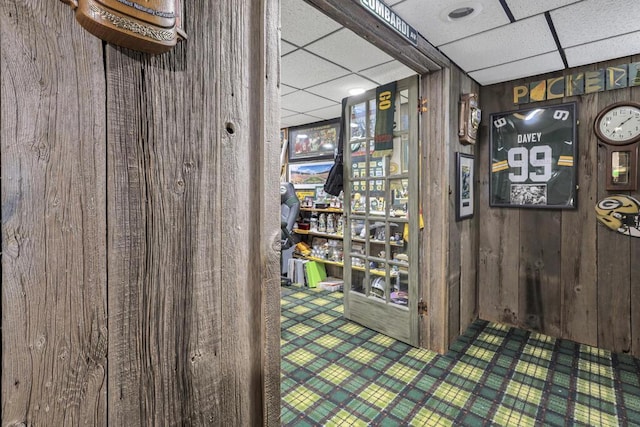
[[620, 213]]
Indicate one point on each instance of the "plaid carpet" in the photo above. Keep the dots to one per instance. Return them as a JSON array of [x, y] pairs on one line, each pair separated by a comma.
[[335, 372]]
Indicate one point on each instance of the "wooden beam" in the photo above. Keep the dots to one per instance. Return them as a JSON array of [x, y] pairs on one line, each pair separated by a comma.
[[423, 58], [52, 140]]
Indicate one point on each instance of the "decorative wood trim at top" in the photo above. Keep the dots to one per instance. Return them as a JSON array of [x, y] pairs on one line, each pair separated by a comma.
[[130, 25]]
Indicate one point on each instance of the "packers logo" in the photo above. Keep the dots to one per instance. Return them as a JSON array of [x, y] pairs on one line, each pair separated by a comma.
[[620, 213]]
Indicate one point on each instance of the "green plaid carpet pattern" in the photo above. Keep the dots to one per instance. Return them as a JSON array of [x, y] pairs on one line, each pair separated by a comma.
[[338, 373]]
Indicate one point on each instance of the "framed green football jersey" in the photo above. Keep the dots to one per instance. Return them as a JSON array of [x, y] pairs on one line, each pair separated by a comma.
[[533, 156]]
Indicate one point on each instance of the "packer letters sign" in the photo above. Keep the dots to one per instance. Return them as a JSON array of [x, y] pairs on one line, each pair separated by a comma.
[[386, 15], [610, 78], [532, 158]]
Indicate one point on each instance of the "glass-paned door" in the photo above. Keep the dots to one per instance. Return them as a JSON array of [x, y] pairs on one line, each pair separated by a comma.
[[381, 208]]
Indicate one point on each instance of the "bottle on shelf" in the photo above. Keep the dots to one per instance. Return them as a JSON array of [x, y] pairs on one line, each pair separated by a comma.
[[322, 223]]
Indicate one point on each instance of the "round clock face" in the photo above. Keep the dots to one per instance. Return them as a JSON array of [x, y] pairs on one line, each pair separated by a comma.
[[619, 123]]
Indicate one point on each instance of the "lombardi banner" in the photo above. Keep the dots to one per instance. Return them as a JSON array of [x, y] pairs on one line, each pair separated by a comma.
[[386, 15]]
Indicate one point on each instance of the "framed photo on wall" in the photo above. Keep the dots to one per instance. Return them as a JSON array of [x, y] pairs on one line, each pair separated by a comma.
[[313, 141], [464, 186], [533, 155], [309, 175]]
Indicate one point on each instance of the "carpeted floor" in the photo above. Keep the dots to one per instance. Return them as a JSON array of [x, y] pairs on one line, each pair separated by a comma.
[[335, 372]]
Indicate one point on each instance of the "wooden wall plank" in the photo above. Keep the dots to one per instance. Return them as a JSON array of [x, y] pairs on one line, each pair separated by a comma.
[[539, 276], [635, 295], [635, 265], [578, 246], [468, 228], [614, 263], [154, 179], [499, 260], [190, 237], [52, 139], [455, 228], [269, 282], [469, 268], [463, 249], [435, 206]]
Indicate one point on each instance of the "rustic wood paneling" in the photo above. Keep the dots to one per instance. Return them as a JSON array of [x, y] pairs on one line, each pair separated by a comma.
[[455, 234], [469, 268], [635, 267], [434, 328], [448, 247], [463, 250], [466, 231], [142, 190], [576, 279], [539, 273], [635, 297], [268, 71], [188, 144], [614, 263], [498, 257], [52, 142]]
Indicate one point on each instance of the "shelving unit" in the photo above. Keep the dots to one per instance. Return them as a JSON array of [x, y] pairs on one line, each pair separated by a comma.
[[325, 247]]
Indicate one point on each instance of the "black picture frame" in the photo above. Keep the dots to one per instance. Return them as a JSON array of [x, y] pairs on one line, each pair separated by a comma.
[[533, 155], [313, 141], [465, 175]]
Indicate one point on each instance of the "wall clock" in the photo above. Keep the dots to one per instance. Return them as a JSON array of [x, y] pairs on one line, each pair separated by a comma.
[[618, 127], [469, 118], [619, 123]]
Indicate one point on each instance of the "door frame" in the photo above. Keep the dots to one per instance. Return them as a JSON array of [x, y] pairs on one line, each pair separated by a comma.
[[376, 313]]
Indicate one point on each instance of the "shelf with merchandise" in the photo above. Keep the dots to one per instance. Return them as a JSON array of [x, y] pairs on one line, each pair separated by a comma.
[[326, 210], [399, 244], [318, 233], [375, 272]]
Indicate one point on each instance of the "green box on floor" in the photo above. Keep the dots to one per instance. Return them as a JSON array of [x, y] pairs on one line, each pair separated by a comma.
[[315, 273]]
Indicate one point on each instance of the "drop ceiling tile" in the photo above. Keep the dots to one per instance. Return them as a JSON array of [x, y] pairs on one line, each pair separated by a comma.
[[545, 63], [286, 47], [298, 119], [346, 48], [593, 20], [603, 50], [429, 18], [301, 69], [284, 113], [339, 88], [524, 8], [389, 72], [302, 101], [328, 113], [522, 39], [302, 23], [284, 89]]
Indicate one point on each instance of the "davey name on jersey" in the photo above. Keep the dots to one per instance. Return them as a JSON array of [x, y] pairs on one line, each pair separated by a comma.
[[529, 137]]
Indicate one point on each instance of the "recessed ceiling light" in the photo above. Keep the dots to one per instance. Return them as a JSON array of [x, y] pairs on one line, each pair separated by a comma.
[[460, 13], [356, 91]]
